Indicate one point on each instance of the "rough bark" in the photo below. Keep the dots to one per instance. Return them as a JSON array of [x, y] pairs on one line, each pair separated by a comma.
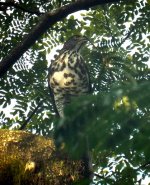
[[27, 159], [46, 21]]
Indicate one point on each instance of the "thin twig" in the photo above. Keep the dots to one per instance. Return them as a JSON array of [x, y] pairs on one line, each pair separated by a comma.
[[126, 37], [144, 165], [23, 126], [99, 176]]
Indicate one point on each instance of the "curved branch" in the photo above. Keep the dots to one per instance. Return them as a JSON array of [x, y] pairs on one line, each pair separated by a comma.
[[18, 6], [46, 21]]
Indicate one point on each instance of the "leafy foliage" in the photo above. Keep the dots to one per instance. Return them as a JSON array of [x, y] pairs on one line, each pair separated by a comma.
[[115, 118]]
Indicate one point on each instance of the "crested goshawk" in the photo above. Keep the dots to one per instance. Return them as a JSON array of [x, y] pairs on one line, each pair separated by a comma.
[[68, 74]]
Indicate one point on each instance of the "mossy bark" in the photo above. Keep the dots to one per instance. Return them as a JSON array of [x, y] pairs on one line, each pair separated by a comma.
[[27, 159]]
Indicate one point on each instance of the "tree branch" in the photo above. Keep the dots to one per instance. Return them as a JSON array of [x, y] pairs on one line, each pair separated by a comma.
[[46, 21], [18, 6]]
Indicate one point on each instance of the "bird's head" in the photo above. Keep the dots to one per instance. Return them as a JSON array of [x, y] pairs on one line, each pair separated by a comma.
[[75, 42]]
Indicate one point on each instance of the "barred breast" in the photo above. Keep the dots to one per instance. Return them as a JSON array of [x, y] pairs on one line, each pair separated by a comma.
[[69, 78]]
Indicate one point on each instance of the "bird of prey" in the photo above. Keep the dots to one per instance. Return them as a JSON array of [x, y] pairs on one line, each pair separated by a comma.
[[68, 74]]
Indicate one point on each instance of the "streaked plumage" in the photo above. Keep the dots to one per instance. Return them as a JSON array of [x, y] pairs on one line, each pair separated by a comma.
[[68, 74]]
